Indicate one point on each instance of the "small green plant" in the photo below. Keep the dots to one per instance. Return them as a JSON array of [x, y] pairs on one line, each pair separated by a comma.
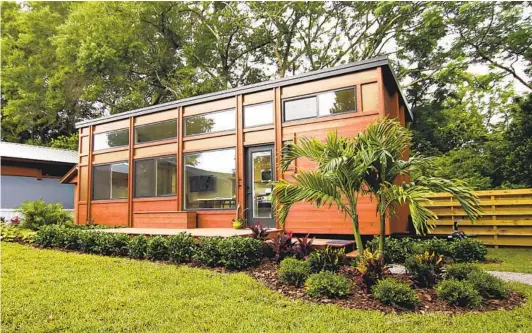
[[396, 250], [89, 242], [181, 247], [468, 250], [438, 246], [9, 233], [114, 244], [47, 236], [395, 293], [238, 220], [208, 251], [39, 213], [157, 248], [460, 271], [459, 293], [240, 252], [327, 284], [294, 272], [488, 286], [328, 259], [137, 247], [426, 268], [371, 267]]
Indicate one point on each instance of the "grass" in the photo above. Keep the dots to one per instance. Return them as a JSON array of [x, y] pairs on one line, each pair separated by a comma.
[[53, 291], [512, 260]]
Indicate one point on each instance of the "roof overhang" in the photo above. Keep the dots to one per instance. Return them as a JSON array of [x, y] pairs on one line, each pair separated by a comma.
[[70, 175], [301, 78]]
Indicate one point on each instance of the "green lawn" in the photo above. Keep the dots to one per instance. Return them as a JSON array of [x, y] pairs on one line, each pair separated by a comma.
[[513, 260], [54, 291]]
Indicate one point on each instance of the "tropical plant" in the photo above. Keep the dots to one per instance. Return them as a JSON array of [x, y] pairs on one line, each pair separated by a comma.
[[282, 245], [328, 259], [371, 267], [258, 231], [39, 213], [426, 268], [386, 176], [337, 179], [304, 246]]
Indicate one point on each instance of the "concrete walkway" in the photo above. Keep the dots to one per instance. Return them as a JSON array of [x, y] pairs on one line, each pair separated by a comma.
[[195, 232], [511, 276], [506, 276]]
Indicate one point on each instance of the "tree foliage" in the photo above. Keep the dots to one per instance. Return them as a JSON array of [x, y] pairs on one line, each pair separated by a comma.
[[465, 66]]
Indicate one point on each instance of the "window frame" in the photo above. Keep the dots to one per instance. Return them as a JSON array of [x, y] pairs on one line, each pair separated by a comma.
[[135, 137], [110, 181], [257, 104], [113, 131], [156, 158], [316, 95], [184, 176], [184, 129]]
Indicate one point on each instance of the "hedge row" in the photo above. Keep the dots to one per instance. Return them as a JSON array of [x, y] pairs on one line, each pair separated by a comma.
[[232, 252]]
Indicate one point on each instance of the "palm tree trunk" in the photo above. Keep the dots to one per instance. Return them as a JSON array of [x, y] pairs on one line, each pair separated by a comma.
[[382, 233], [356, 232]]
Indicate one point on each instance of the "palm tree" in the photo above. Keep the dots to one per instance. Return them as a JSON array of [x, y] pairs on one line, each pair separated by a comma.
[[337, 180], [388, 141]]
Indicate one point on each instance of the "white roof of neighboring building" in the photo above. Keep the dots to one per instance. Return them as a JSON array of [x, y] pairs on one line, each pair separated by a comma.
[[28, 152]]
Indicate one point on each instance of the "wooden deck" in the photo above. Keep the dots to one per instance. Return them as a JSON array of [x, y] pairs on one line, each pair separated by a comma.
[[194, 232]]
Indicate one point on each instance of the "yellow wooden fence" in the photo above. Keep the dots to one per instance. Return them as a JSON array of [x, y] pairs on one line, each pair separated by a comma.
[[506, 218]]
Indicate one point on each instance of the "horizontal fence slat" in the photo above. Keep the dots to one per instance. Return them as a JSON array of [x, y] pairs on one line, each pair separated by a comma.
[[506, 217]]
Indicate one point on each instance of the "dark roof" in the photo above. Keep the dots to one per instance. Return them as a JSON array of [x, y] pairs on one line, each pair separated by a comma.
[[37, 153], [300, 78]]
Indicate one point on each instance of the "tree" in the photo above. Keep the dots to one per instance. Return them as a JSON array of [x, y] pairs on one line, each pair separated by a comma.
[[336, 180], [388, 140]]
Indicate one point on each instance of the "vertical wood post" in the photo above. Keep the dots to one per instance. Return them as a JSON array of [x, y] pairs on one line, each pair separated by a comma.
[[89, 174], [130, 172], [179, 187], [240, 165]]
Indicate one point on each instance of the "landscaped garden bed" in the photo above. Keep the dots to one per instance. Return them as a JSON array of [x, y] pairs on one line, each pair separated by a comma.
[[438, 276]]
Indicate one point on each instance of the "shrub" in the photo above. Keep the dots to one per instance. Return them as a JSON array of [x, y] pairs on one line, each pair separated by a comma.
[[371, 267], [69, 239], [395, 293], [9, 233], [157, 248], [39, 213], [208, 251], [113, 244], [438, 246], [459, 293], [396, 250], [468, 250], [328, 259], [327, 284], [181, 248], [488, 286], [240, 252], [89, 242], [137, 247], [460, 271], [48, 235], [425, 268], [282, 245], [294, 272]]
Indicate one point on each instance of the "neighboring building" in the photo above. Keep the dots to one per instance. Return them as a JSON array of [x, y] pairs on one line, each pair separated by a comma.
[[189, 163], [33, 172]]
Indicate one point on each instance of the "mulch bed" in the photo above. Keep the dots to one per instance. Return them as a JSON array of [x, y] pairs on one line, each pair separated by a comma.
[[358, 299]]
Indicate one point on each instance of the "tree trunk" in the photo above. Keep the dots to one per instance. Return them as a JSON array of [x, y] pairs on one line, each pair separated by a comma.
[[382, 233], [356, 232]]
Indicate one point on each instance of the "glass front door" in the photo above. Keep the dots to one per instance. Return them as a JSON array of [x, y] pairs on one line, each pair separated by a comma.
[[260, 173]]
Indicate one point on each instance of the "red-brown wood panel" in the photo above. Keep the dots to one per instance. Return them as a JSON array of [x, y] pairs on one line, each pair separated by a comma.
[[82, 214], [215, 219], [146, 205], [178, 220], [109, 213]]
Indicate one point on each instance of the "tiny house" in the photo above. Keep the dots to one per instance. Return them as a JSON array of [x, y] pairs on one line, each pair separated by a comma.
[[190, 163]]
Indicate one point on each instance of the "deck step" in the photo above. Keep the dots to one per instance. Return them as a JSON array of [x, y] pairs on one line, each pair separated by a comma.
[[352, 254], [323, 242]]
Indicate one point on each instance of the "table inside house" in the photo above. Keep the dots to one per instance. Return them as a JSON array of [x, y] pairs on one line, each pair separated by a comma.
[[215, 202]]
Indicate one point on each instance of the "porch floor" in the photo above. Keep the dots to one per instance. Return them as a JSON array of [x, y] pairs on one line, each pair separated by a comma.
[[194, 232]]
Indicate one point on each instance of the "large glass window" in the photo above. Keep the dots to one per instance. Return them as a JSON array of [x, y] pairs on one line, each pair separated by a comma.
[[110, 181], [156, 131], [259, 114], [210, 122], [300, 108], [324, 104], [155, 177], [337, 102], [112, 139], [210, 179]]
